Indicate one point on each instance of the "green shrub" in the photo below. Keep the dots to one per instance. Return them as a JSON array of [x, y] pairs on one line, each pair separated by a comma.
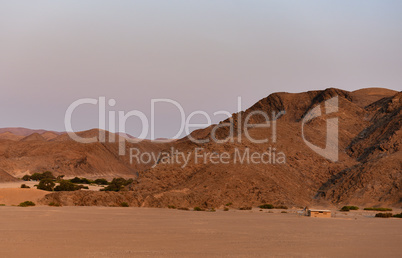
[[44, 175], [377, 209], [383, 215], [24, 186], [183, 209], [398, 215], [171, 207], [212, 210], [226, 209], [266, 206], [26, 178], [117, 184], [66, 185], [245, 208], [198, 209], [281, 207], [77, 180], [54, 204], [124, 204], [349, 208], [101, 181], [46, 184], [26, 204], [229, 204], [2, 205]]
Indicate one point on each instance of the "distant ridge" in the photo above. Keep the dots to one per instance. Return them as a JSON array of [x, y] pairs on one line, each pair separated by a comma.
[[20, 131]]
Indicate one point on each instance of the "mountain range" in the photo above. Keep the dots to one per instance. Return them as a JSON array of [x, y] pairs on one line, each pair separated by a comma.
[[367, 172]]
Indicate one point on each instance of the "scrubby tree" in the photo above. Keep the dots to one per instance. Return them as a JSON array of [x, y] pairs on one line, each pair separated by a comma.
[[117, 184], [46, 184], [40, 176], [66, 185], [26, 178], [101, 181]]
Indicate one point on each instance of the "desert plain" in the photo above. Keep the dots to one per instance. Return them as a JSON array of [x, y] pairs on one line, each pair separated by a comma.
[[44, 231]]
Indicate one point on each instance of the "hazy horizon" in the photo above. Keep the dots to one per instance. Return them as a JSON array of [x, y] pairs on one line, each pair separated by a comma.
[[202, 54]]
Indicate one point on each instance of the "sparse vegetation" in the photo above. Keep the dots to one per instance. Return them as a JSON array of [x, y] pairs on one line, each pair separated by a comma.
[[398, 215], [117, 184], [53, 204], [349, 208], [46, 184], [26, 204], [124, 204], [284, 212], [171, 207], [24, 186], [266, 206], [229, 204], [283, 207], [26, 178], [44, 175], [101, 181], [226, 209], [270, 206], [198, 209], [77, 180], [66, 185], [383, 215], [377, 209], [2, 205], [183, 209], [245, 208]]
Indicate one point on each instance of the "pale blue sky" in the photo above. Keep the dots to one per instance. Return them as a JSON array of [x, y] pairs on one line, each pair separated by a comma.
[[202, 54]]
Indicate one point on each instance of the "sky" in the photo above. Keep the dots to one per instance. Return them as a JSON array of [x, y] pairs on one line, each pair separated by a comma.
[[201, 54]]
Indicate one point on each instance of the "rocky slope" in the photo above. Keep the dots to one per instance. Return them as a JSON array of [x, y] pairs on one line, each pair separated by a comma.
[[368, 171]]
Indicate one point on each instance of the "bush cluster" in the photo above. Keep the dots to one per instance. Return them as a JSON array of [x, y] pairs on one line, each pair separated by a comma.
[[270, 206], [117, 184], [383, 215], [39, 176], [377, 209], [77, 180], [24, 186], [124, 204], [66, 185], [47, 182], [349, 208], [26, 204]]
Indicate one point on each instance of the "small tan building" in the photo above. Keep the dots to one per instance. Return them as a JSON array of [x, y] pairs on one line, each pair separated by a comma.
[[319, 213]]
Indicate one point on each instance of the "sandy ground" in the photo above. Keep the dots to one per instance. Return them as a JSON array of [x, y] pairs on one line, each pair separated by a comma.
[[10, 196], [142, 232]]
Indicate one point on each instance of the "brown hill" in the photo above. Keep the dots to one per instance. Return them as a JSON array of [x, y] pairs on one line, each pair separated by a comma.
[[306, 177], [5, 177], [49, 135], [33, 137], [10, 136], [64, 156], [368, 170], [24, 131]]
